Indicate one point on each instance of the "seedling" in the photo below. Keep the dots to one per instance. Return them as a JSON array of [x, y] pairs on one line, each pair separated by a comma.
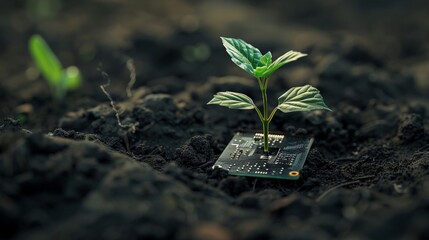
[[59, 79], [251, 60]]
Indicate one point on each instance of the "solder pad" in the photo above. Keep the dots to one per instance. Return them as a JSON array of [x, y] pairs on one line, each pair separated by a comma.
[[244, 156]]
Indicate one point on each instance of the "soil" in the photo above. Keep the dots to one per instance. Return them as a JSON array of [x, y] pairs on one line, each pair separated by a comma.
[[68, 170]]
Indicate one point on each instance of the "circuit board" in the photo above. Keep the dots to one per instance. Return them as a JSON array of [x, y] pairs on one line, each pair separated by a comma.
[[244, 156]]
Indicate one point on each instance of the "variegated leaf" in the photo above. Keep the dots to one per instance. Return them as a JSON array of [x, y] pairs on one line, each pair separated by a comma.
[[233, 100], [305, 98]]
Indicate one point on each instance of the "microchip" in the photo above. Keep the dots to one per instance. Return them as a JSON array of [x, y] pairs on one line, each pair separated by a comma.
[[244, 156]]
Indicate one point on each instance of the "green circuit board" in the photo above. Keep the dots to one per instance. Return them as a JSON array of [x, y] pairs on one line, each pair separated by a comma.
[[244, 156]]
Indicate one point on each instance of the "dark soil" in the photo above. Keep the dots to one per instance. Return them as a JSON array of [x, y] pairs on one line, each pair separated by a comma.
[[69, 171]]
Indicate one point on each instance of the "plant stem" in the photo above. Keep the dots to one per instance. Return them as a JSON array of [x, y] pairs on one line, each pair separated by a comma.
[[272, 115], [265, 128], [265, 120]]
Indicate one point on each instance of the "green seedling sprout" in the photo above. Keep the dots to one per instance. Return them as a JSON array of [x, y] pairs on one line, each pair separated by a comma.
[[251, 60], [59, 79]]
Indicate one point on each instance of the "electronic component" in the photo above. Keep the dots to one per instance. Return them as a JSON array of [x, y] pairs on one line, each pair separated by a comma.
[[244, 156]]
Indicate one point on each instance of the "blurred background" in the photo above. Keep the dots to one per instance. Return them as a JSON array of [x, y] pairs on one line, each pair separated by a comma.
[[176, 42]]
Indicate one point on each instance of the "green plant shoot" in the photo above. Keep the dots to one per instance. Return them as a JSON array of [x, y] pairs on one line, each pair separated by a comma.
[[59, 79], [251, 60]]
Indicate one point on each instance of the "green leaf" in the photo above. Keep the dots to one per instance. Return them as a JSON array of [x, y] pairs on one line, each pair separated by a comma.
[[233, 100], [46, 61], [281, 61], [242, 54], [298, 99], [266, 60]]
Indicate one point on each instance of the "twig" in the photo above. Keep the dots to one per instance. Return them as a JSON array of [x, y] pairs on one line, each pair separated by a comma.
[[132, 126], [132, 69], [363, 177], [336, 187]]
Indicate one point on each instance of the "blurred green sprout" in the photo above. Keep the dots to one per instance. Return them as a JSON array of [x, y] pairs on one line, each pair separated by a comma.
[[59, 79]]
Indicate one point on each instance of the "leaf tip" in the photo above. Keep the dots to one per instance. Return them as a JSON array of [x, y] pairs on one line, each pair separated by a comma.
[[211, 102], [224, 39], [35, 37]]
